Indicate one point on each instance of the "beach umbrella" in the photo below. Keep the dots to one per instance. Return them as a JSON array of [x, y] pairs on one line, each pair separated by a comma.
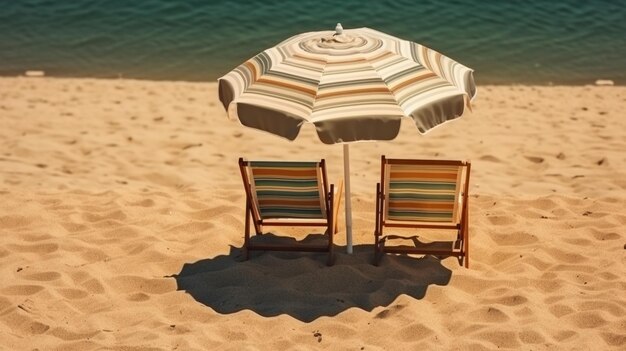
[[353, 85]]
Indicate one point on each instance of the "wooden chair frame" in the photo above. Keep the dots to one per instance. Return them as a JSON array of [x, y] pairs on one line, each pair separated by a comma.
[[253, 218], [460, 248]]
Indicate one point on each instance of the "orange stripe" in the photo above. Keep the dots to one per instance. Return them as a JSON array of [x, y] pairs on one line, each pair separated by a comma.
[[422, 76], [415, 176], [268, 80], [353, 92], [252, 68], [285, 172], [440, 206], [438, 61]]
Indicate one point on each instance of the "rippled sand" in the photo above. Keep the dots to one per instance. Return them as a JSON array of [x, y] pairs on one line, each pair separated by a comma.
[[122, 216]]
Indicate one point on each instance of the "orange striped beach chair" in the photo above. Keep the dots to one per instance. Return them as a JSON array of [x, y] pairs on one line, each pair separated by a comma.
[[423, 194], [287, 193]]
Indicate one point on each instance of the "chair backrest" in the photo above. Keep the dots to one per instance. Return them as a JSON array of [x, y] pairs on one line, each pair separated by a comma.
[[285, 189], [423, 190]]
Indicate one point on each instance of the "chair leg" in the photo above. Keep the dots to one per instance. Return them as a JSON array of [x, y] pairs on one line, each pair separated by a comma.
[[378, 251], [466, 239]]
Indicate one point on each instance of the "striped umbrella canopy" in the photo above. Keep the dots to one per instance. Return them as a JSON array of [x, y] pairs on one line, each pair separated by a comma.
[[353, 85]]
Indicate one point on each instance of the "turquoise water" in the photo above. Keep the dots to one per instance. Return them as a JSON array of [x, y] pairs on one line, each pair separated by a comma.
[[535, 41]]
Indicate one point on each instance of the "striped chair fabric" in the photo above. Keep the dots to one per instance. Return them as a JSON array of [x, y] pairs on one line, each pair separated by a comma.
[[288, 189], [425, 193]]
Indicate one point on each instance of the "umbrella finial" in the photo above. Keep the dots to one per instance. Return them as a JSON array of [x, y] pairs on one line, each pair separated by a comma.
[[338, 29]]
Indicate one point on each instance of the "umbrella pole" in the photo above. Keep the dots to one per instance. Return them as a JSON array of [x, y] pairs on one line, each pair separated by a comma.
[[346, 174]]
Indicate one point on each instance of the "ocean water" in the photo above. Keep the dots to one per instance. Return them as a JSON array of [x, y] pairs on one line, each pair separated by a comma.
[[525, 42]]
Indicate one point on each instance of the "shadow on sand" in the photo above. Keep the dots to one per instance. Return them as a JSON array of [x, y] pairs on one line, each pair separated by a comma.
[[301, 285]]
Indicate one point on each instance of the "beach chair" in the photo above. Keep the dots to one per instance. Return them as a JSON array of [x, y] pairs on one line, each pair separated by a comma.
[[427, 195], [286, 193]]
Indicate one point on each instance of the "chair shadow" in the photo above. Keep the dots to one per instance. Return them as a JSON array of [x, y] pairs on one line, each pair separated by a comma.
[[300, 284]]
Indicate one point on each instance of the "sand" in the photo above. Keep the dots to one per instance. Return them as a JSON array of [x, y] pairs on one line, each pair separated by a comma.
[[122, 211]]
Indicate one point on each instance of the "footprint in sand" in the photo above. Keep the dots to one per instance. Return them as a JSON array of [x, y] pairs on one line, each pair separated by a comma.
[[73, 227], [22, 289], [588, 320], [559, 310], [72, 294], [514, 239], [531, 337], [534, 159], [614, 339], [606, 236], [43, 276], [501, 220], [38, 328], [91, 255], [93, 286], [608, 275], [567, 256]]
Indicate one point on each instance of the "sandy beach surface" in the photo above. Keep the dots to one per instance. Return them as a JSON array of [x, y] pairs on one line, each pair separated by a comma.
[[122, 214]]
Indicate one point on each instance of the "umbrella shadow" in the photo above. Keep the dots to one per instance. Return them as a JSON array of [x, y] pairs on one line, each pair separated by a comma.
[[301, 285]]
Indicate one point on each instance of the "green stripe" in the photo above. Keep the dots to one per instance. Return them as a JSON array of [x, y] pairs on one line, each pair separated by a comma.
[[431, 197], [287, 183], [404, 73], [420, 216], [440, 214], [277, 193], [271, 214]]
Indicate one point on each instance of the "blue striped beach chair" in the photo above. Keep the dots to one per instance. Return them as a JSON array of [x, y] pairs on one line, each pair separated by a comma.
[[287, 193], [424, 194]]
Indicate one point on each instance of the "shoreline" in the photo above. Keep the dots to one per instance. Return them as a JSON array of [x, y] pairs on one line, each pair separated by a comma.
[[479, 84]]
